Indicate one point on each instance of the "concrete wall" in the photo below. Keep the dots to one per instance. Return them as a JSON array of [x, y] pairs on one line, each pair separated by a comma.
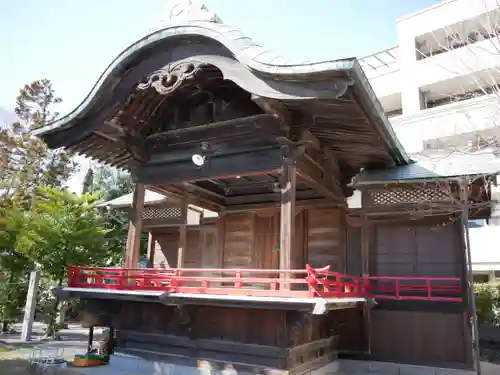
[[447, 120]]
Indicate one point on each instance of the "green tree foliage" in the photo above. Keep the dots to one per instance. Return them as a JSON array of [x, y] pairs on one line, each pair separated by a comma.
[[111, 183], [25, 161], [63, 229], [487, 303], [14, 266]]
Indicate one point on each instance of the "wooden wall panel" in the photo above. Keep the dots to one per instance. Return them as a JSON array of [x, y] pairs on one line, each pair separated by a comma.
[[349, 324], [254, 326], [417, 249], [430, 333], [201, 250], [299, 251], [326, 238], [354, 261], [439, 260], [266, 241], [208, 247], [193, 255], [238, 241], [252, 241], [165, 248], [395, 251], [428, 338]]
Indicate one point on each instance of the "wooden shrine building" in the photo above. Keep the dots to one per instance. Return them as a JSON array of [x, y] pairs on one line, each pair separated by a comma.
[[162, 218], [291, 277]]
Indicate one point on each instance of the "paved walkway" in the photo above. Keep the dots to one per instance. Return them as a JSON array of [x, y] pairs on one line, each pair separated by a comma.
[[72, 340]]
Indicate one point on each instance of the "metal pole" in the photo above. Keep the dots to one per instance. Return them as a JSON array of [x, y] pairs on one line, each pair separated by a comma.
[[470, 281]]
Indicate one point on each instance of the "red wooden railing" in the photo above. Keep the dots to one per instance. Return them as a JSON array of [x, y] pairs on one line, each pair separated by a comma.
[[308, 282]]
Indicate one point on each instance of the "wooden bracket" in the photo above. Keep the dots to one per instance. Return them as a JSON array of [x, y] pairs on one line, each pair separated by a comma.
[[320, 181], [135, 145]]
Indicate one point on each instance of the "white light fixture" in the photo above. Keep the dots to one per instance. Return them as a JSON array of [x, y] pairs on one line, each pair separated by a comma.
[[198, 160]]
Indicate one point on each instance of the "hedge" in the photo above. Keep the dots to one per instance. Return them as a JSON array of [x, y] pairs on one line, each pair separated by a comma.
[[488, 303]]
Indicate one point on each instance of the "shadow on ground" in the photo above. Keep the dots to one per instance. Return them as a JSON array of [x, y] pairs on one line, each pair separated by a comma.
[[20, 367]]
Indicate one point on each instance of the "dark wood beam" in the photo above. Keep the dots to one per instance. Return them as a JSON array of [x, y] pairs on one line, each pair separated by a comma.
[[264, 123], [331, 163], [309, 172], [306, 203], [179, 194], [217, 167], [323, 157], [104, 135], [110, 130], [240, 189], [266, 198], [217, 146], [209, 194], [275, 108]]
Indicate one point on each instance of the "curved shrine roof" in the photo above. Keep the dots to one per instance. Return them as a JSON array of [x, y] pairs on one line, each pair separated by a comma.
[[336, 94]]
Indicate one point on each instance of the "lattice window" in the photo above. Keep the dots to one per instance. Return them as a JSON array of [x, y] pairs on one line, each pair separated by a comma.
[[408, 195], [162, 213]]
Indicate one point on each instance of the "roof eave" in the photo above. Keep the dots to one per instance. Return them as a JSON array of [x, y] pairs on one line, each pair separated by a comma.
[[258, 61]]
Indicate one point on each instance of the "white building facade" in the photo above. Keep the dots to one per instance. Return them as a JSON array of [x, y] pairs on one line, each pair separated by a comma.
[[440, 89]]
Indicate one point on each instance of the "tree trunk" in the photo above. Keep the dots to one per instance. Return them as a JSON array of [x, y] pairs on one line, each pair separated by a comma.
[[6, 322], [61, 317], [52, 326]]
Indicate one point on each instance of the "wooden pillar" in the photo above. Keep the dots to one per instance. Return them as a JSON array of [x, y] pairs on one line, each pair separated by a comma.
[[365, 271], [133, 249], [151, 250], [287, 223], [221, 237], [181, 251]]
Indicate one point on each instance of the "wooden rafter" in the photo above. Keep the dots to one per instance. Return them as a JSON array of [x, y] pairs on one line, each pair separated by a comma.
[[310, 173]]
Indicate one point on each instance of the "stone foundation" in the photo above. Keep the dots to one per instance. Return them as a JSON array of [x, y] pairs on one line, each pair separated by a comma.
[[350, 367], [130, 365]]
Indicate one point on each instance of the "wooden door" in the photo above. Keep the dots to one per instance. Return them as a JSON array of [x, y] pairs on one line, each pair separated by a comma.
[[266, 241]]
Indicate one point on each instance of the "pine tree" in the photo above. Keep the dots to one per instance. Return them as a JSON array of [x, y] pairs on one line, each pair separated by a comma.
[[26, 161], [25, 164]]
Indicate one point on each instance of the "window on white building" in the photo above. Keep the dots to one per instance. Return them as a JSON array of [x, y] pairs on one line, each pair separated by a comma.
[[451, 37], [477, 223], [480, 279], [448, 99], [395, 112]]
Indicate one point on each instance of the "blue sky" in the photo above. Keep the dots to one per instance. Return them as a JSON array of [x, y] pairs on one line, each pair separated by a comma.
[[71, 42]]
